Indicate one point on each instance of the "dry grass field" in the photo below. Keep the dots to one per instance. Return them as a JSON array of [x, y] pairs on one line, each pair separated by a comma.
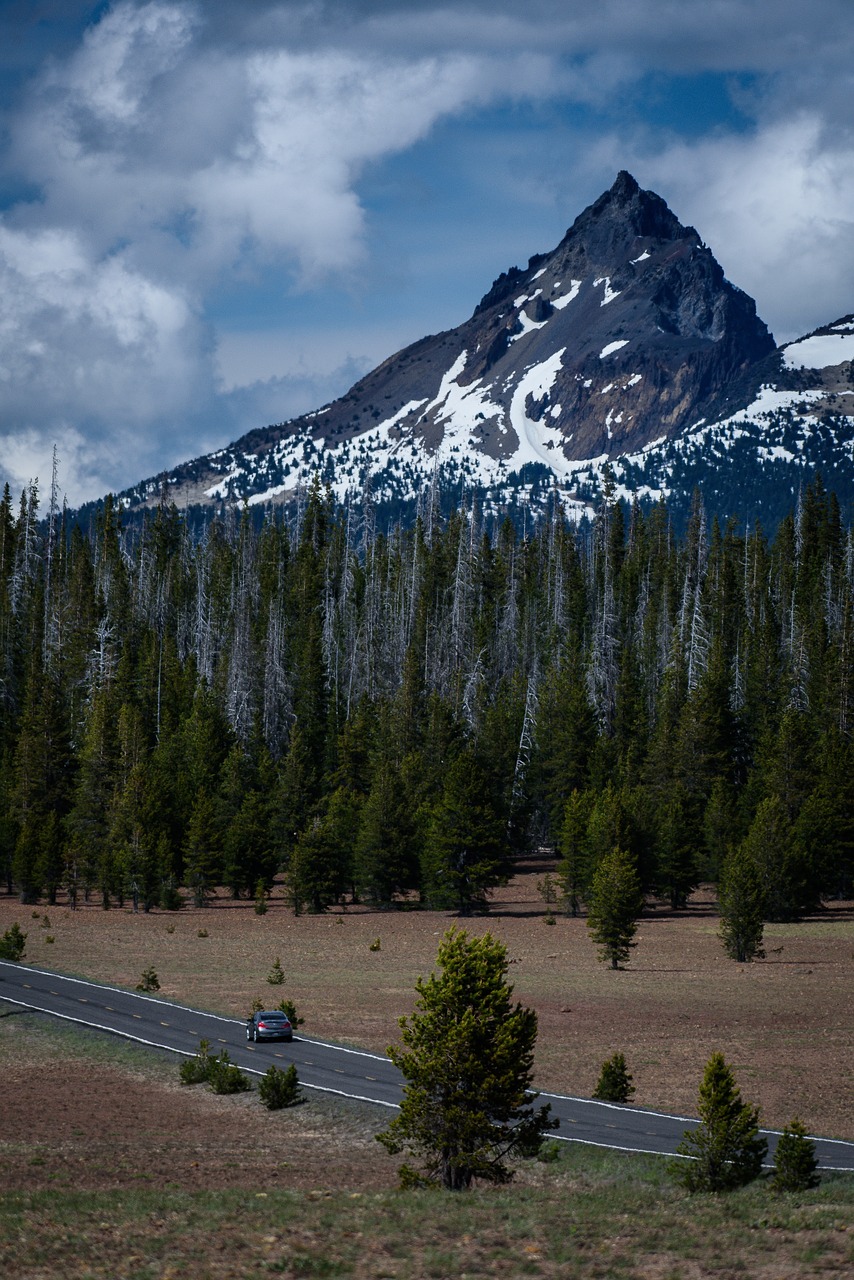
[[785, 1023], [111, 1170]]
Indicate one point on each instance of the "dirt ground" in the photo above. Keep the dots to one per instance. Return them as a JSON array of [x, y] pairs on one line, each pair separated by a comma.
[[72, 1122], [785, 1024]]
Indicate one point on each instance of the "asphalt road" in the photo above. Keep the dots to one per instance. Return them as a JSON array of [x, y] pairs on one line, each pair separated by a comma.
[[331, 1068]]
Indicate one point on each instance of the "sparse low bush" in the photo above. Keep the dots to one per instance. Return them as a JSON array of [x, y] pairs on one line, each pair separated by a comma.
[[376, 945], [12, 943], [276, 976], [615, 1081], [279, 1089], [197, 1070], [225, 1077]]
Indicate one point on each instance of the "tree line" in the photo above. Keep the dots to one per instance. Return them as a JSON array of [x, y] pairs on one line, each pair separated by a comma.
[[391, 715]]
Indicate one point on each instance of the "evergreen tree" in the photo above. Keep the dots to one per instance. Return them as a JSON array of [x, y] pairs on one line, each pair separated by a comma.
[[321, 867], [741, 901], [466, 847], [725, 1150], [573, 869], [386, 854], [615, 1081], [795, 1160], [467, 1058], [616, 901]]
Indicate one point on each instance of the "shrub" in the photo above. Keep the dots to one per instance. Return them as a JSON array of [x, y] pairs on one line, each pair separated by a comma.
[[257, 1005], [795, 1161], [376, 945], [12, 943], [202, 933], [289, 1009], [197, 1070], [726, 1148], [260, 898], [276, 976], [149, 980], [279, 1088], [615, 1082], [225, 1077]]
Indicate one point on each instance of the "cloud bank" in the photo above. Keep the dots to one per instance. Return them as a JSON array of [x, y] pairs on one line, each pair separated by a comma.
[[179, 154]]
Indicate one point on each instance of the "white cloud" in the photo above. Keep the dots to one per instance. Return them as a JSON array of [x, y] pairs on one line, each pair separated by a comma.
[[183, 147], [777, 208]]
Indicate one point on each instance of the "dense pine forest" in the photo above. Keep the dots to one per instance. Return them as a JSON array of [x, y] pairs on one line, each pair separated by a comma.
[[391, 715]]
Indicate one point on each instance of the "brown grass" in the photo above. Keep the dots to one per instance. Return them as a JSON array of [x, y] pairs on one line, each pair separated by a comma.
[[783, 1023]]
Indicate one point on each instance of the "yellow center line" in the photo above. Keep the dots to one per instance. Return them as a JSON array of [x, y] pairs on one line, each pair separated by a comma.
[[339, 1071], [138, 1016], [221, 1041], [370, 1077], [164, 1024], [82, 1000], [278, 1055], [109, 1008], [27, 987]]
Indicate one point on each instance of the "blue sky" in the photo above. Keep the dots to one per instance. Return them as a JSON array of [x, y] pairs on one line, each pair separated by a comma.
[[218, 215]]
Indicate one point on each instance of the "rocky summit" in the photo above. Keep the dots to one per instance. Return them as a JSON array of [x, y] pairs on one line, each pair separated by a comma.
[[625, 345]]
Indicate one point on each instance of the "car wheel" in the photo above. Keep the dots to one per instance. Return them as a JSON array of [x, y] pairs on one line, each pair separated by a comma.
[[255, 1034], [248, 1033]]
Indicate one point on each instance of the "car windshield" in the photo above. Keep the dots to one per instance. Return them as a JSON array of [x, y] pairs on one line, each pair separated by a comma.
[[273, 1017]]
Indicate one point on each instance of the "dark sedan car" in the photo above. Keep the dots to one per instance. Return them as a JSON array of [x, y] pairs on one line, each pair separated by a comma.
[[271, 1024]]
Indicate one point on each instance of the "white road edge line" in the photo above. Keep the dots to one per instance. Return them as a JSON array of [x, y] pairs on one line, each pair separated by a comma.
[[566, 1097], [186, 1008], [185, 1053]]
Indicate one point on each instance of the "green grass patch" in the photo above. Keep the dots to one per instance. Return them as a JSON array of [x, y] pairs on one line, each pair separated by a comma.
[[591, 1217]]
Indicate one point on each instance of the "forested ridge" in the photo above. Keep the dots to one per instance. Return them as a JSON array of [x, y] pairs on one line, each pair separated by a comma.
[[391, 715]]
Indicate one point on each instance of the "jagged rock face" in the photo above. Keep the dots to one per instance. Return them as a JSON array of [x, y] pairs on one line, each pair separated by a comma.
[[625, 343], [616, 338]]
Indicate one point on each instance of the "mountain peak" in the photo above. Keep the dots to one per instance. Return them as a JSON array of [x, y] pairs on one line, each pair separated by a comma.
[[621, 338], [623, 214]]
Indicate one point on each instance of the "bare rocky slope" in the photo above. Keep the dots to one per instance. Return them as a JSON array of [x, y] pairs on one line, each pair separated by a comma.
[[626, 344]]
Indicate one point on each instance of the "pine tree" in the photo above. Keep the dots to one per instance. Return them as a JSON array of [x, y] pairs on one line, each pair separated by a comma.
[[616, 901], [466, 847], [725, 1150], [615, 1081], [573, 869], [467, 1057], [741, 901], [795, 1160]]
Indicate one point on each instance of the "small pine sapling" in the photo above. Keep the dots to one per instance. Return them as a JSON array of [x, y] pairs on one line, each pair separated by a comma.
[[225, 1077], [615, 1081], [12, 943], [279, 1089], [289, 1009], [260, 898], [276, 976], [795, 1160], [196, 1070], [149, 980]]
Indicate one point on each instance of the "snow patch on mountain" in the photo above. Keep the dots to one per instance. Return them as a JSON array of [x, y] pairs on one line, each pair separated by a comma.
[[821, 351], [565, 299]]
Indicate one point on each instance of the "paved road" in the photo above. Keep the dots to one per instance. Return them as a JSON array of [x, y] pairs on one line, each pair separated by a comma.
[[330, 1068]]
